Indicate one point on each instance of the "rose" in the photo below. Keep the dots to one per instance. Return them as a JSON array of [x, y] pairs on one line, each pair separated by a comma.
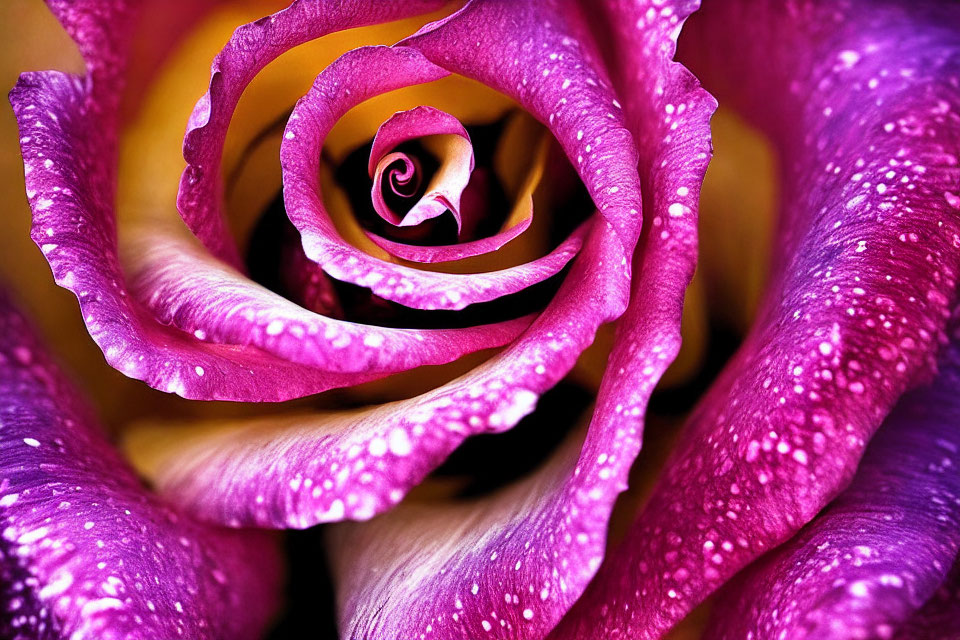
[[192, 325], [661, 270]]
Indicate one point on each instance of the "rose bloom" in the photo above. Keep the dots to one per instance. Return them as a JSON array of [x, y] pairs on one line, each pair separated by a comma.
[[428, 265]]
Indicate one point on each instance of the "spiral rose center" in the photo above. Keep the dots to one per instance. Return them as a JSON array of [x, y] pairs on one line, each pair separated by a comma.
[[420, 163]]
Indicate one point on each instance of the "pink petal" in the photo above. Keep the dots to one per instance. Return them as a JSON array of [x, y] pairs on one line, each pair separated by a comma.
[[371, 71], [574, 100], [68, 128], [252, 47], [511, 565], [304, 470], [405, 126], [185, 287], [451, 252], [408, 125], [859, 295], [880, 550], [85, 551], [518, 220]]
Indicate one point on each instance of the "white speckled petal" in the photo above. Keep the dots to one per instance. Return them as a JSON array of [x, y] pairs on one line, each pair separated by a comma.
[[368, 72], [510, 565], [185, 287], [861, 101], [252, 47], [301, 471], [452, 252], [68, 140], [880, 550], [85, 552], [552, 68]]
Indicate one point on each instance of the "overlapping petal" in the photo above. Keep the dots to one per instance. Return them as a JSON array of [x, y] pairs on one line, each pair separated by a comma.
[[482, 42], [187, 288], [236, 479], [517, 221], [939, 619], [445, 189], [371, 71], [70, 178], [511, 564], [864, 566], [85, 551], [252, 47], [861, 101], [361, 463]]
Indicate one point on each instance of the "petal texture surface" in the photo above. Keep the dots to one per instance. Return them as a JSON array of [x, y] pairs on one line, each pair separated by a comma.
[[862, 99], [85, 551], [371, 71], [510, 565], [252, 47], [880, 550]]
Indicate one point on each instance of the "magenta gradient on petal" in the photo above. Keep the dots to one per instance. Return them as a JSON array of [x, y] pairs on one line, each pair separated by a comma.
[[68, 141], [881, 549], [238, 478], [451, 252], [356, 464], [251, 48], [85, 551], [404, 126], [863, 283], [511, 564], [559, 79], [939, 619], [187, 288], [371, 71]]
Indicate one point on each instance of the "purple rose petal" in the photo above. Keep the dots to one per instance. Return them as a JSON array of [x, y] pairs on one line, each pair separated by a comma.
[[883, 546], [511, 564], [565, 88], [252, 47], [239, 478], [939, 619], [68, 127], [85, 551], [324, 468], [185, 287], [862, 102], [517, 221], [371, 71], [452, 252]]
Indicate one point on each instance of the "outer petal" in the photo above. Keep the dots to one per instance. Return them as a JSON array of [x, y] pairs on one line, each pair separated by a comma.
[[360, 463], [512, 564], [85, 552], [252, 47], [371, 71], [68, 127], [880, 550], [859, 296]]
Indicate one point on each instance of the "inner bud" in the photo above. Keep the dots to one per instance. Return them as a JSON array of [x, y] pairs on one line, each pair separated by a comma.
[[421, 146], [405, 174]]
